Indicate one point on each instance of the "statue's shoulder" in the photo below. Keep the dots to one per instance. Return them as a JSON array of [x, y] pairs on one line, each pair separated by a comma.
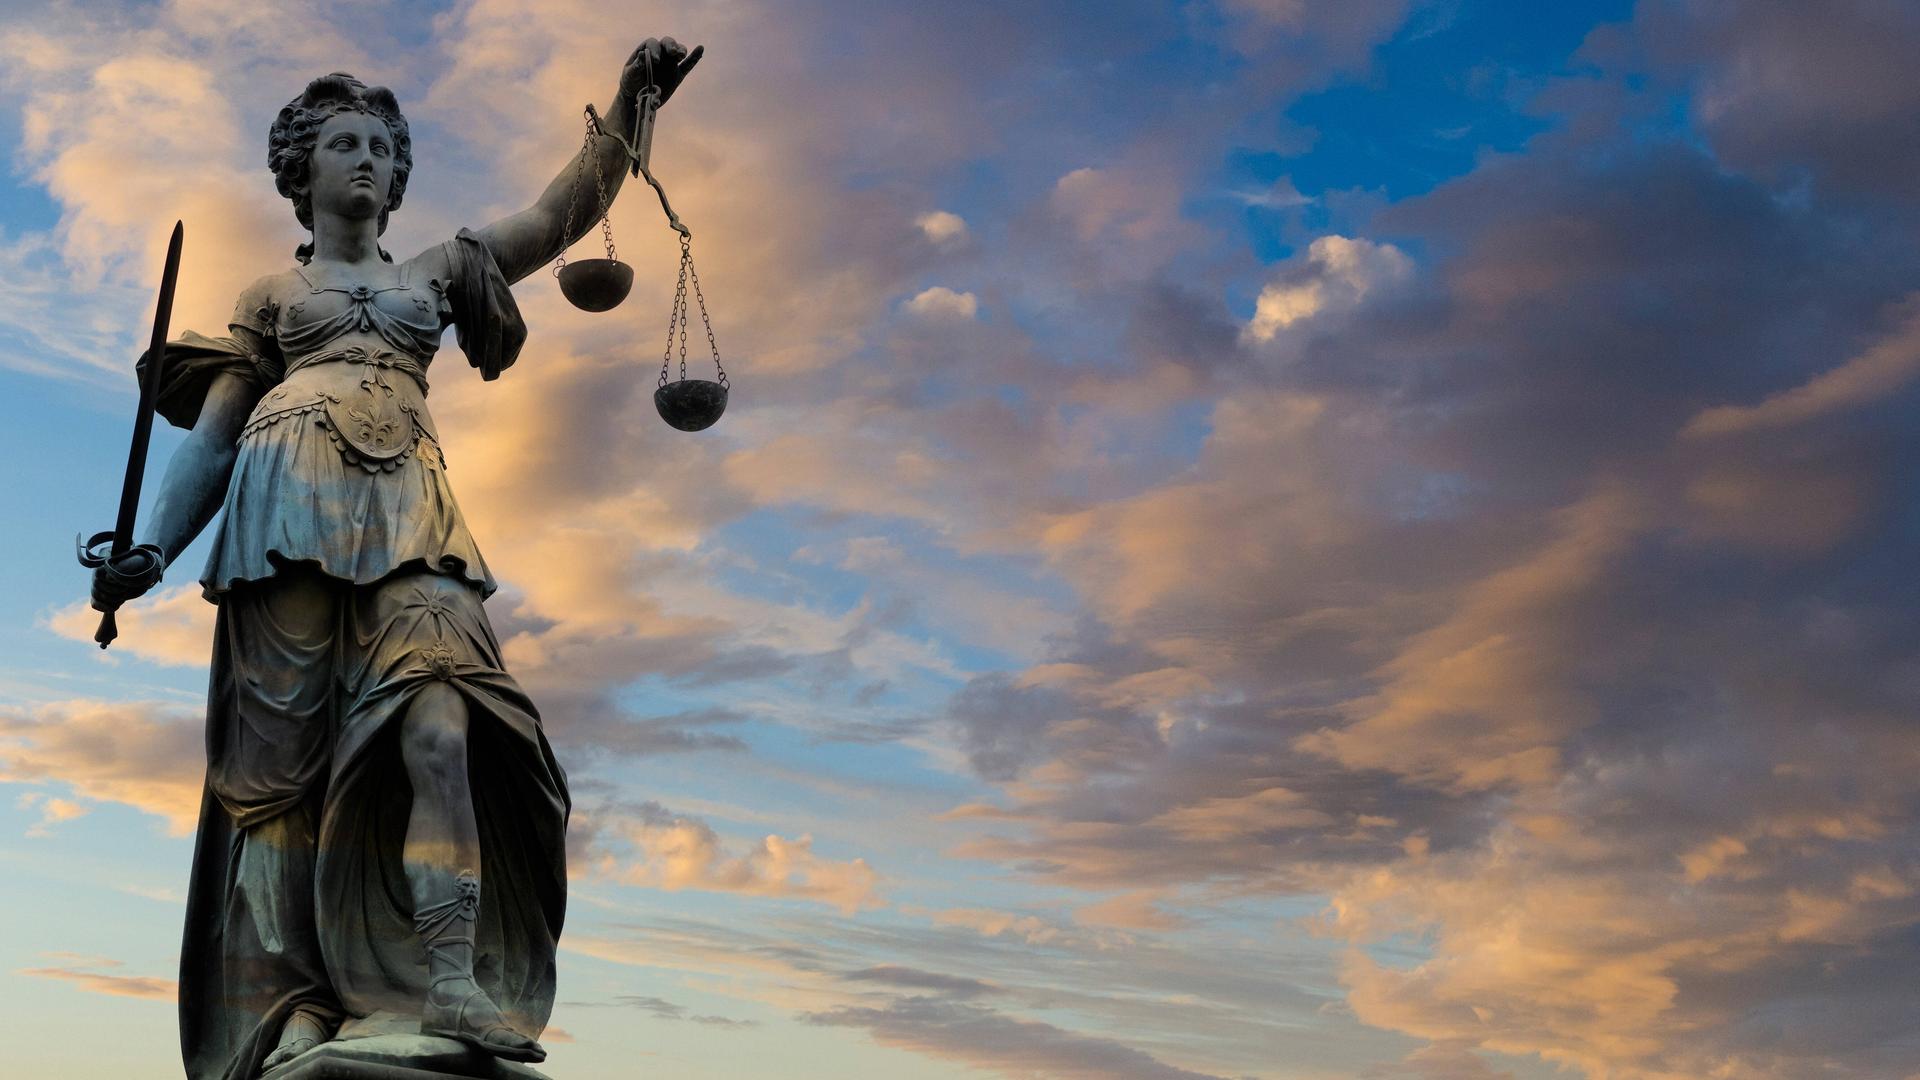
[[273, 289], [277, 287], [258, 306], [432, 264]]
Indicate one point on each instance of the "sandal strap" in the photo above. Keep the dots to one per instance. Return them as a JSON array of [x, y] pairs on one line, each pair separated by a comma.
[[446, 941], [460, 1023]]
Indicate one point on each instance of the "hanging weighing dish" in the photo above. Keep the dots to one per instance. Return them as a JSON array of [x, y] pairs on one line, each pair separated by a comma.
[[592, 284], [691, 404], [595, 284]]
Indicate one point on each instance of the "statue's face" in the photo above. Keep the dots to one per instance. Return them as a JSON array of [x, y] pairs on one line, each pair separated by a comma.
[[351, 171]]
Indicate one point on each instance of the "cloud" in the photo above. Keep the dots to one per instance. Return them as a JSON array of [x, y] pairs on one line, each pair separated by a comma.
[[940, 302], [655, 848], [1455, 616], [1031, 929], [983, 1039], [1126, 211], [53, 811], [171, 626], [1438, 1061], [667, 1010], [81, 975], [1478, 701], [606, 731], [943, 228], [144, 755], [1874, 374], [924, 981], [1130, 911], [1280, 195], [1336, 276], [1787, 90], [38, 334]]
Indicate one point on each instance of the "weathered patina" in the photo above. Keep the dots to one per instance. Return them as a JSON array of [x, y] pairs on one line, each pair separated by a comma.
[[380, 857]]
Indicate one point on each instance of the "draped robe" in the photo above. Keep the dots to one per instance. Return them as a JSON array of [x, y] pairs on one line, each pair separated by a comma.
[[346, 582]]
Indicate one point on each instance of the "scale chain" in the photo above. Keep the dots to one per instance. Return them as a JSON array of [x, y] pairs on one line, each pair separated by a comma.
[[686, 253], [600, 189], [573, 199], [675, 317], [685, 263]]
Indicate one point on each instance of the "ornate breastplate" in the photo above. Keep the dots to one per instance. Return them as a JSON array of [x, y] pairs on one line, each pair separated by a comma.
[[370, 402], [408, 318]]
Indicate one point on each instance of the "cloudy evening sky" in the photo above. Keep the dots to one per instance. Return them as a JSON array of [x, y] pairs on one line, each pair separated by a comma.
[[1295, 539]]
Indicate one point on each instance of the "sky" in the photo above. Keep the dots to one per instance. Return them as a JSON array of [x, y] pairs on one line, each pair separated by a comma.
[[1253, 538]]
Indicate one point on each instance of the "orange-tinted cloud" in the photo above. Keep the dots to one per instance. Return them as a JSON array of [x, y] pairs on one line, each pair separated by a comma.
[[81, 974], [655, 848], [147, 756]]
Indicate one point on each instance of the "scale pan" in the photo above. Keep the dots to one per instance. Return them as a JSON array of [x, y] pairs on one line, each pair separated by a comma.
[[596, 284], [691, 404]]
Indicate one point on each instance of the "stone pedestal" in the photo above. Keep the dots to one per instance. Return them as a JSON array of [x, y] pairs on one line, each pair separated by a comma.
[[400, 1057]]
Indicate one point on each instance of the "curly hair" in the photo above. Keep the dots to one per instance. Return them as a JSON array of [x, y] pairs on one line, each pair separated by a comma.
[[291, 141]]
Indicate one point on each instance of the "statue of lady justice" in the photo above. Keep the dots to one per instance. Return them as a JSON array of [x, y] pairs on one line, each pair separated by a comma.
[[381, 837]]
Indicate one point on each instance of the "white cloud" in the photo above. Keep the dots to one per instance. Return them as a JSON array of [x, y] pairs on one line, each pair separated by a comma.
[[1336, 276], [941, 302], [1279, 195], [943, 227]]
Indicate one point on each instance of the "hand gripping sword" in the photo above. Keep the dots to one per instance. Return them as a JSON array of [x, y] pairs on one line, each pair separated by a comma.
[[122, 558]]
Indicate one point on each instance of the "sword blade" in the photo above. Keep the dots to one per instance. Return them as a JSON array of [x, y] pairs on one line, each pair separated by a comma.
[[149, 387]]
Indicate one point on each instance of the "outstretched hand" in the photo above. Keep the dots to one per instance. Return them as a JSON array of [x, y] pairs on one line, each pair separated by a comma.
[[666, 59]]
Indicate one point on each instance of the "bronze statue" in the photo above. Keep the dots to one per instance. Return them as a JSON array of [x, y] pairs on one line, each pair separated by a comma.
[[381, 838]]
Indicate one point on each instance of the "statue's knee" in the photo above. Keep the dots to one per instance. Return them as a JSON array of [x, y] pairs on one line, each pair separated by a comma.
[[434, 732]]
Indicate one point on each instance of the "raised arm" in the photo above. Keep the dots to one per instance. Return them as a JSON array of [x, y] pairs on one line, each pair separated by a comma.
[[521, 243]]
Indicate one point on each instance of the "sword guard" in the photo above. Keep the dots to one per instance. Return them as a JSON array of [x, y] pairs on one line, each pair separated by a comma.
[[141, 563], [90, 550]]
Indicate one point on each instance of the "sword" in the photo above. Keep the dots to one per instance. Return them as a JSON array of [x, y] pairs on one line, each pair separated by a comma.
[[120, 540]]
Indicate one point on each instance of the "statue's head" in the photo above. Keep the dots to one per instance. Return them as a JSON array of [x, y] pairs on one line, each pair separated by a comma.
[[344, 143]]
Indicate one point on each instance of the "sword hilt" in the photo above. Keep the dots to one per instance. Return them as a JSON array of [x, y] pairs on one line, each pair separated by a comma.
[[135, 564]]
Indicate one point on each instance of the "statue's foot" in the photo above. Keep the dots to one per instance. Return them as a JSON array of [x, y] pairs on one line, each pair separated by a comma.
[[301, 1033], [458, 1009]]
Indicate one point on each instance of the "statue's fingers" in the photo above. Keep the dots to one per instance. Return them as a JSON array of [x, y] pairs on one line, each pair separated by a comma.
[[692, 59], [106, 598]]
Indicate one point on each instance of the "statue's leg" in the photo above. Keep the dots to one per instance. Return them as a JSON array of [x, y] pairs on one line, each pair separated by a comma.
[[442, 861], [433, 739], [442, 839]]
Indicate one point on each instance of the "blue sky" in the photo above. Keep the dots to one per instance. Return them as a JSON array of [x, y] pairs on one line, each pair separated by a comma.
[[1254, 538]]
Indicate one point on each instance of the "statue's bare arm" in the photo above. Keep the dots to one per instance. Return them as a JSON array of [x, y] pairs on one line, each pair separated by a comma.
[[194, 487], [521, 243], [197, 474]]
